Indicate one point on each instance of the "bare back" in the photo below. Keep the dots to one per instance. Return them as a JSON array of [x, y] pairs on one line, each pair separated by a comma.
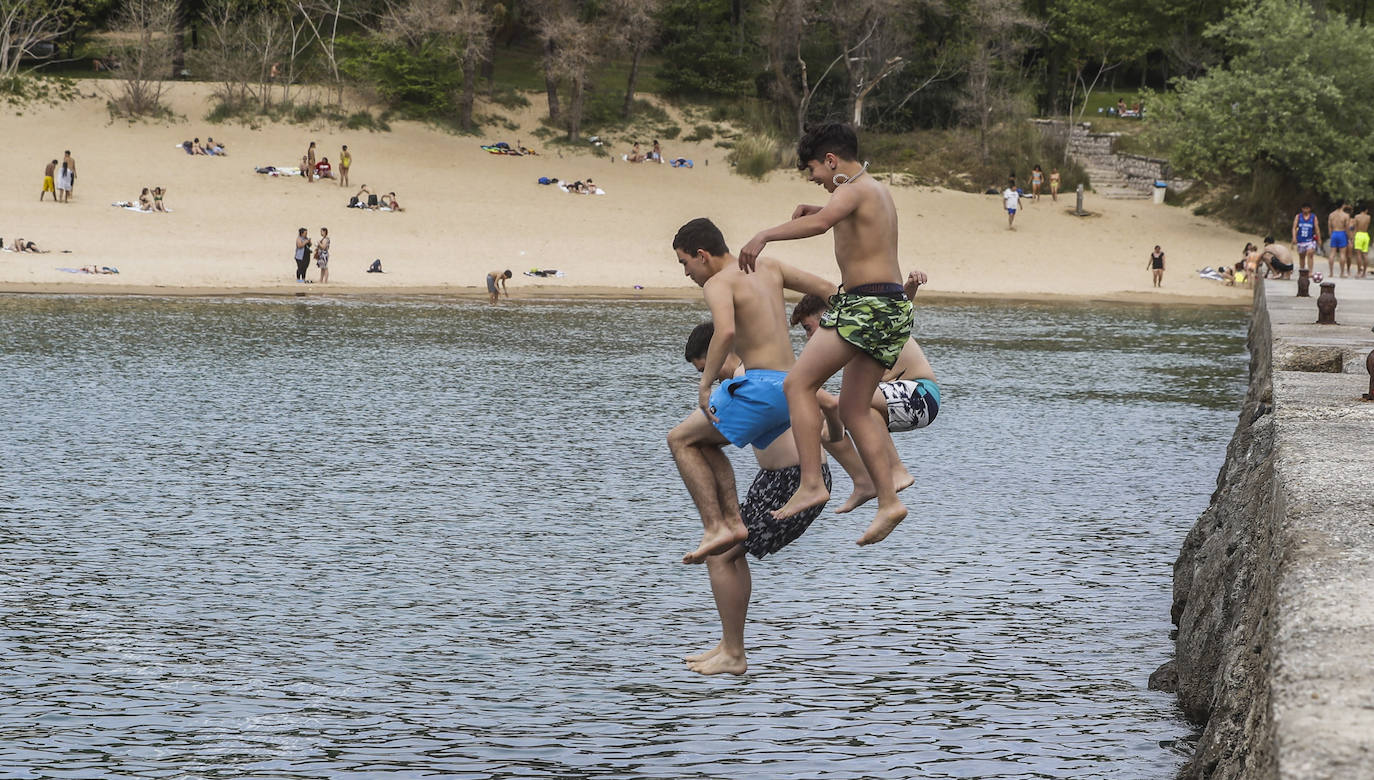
[[762, 339], [1361, 223], [866, 240], [1338, 220]]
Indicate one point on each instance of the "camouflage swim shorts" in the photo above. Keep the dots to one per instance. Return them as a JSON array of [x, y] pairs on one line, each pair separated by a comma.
[[879, 325]]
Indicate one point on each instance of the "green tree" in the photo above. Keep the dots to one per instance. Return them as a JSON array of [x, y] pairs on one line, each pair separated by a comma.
[[1290, 99]]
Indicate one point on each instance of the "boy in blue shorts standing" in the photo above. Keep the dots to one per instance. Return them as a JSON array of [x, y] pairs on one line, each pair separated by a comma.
[[751, 322]]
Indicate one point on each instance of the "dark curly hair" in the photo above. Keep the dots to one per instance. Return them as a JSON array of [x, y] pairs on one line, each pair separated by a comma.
[[835, 138]]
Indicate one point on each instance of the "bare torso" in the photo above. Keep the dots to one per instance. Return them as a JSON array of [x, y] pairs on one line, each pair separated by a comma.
[[1361, 223], [1279, 252], [762, 339], [1338, 220], [866, 240]]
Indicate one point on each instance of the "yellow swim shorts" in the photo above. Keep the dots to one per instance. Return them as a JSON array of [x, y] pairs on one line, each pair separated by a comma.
[[1361, 242], [47, 184]]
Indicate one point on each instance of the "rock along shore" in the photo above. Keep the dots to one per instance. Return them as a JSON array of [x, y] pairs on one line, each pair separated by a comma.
[[1274, 586]]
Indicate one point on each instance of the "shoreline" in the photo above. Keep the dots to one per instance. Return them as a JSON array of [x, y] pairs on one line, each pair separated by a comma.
[[543, 294]]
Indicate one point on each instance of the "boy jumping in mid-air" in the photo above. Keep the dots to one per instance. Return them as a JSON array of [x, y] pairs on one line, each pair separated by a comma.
[[907, 398], [731, 584], [750, 322], [864, 330]]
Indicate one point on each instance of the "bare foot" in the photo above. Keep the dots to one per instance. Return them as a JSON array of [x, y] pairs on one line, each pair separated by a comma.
[[862, 495], [720, 663], [802, 500], [703, 656], [903, 480], [882, 525], [719, 542]]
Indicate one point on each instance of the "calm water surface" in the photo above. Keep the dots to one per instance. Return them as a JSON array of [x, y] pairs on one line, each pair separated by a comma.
[[290, 539]]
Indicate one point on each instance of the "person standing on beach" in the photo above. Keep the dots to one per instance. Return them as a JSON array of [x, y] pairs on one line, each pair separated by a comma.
[[1156, 266], [64, 185], [71, 166], [1338, 252], [1054, 185], [863, 332], [1011, 200], [48, 184], [322, 255], [310, 162], [493, 279], [750, 322], [1361, 227], [1037, 179], [1307, 236], [345, 160], [302, 255], [731, 584]]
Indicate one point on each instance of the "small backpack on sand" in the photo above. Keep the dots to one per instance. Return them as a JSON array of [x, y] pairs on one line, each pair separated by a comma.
[[375, 268]]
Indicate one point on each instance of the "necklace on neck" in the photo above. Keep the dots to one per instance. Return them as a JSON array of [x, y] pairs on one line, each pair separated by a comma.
[[846, 179]]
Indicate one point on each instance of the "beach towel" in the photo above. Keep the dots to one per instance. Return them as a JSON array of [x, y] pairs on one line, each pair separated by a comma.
[[680, 162], [565, 188], [501, 148], [545, 272], [272, 170], [547, 180]]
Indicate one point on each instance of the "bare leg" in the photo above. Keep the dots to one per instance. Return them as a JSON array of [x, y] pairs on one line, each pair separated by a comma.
[[861, 377], [731, 586], [695, 444], [823, 355], [844, 453]]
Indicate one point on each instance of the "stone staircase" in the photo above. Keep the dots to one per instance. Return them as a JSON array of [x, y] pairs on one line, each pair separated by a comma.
[[1112, 174]]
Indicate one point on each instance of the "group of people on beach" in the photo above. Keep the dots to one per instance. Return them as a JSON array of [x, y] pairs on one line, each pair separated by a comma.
[[59, 181], [773, 401], [636, 155], [315, 170], [1013, 194], [304, 245], [367, 199], [1347, 246], [211, 147]]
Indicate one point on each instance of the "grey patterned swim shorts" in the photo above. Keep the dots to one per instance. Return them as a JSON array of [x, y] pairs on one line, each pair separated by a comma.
[[769, 491]]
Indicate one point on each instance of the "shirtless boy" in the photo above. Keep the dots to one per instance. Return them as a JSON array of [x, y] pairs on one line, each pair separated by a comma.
[[729, 571], [495, 278], [48, 184], [1278, 257], [907, 398], [1337, 221], [1307, 236], [866, 327], [1360, 225], [750, 321]]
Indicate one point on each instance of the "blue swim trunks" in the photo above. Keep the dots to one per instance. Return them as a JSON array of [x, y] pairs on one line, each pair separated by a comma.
[[751, 409], [1339, 240]]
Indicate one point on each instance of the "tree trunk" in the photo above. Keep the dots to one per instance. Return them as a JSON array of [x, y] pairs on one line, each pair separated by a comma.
[[575, 111], [859, 111], [550, 83], [179, 44], [469, 93], [737, 22], [630, 88]]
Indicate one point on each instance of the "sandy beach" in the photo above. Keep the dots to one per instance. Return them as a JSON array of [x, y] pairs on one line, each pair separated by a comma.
[[231, 231]]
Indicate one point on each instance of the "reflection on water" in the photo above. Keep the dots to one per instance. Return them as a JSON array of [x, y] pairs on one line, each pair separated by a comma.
[[301, 539]]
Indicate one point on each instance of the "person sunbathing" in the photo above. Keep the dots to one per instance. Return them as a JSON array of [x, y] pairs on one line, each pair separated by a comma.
[[389, 201], [158, 205], [196, 148], [214, 149], [20, 245], [145, 200]]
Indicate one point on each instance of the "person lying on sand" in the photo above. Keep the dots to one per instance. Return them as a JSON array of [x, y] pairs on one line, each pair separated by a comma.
[[20, 245], [213, 148]]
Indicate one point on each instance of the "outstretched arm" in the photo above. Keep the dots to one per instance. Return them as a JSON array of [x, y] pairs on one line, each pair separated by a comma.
[[804, 282], [842, 204]]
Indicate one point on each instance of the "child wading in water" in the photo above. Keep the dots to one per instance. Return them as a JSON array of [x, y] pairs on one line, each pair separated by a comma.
[[863, 331]]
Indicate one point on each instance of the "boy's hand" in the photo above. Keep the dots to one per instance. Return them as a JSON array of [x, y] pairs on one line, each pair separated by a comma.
[[805, 210], [704, 402], [914, 280], [749, 253]]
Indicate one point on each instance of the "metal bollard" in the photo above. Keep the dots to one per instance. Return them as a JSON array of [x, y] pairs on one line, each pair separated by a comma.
[[1326, 304], [1369, 366], [1304, 282], [1078, 210]]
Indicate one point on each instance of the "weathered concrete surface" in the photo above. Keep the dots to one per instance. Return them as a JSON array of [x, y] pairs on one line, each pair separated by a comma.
[[1274, 586]]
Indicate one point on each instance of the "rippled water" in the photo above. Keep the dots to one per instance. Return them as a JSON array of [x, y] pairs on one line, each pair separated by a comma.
[[281, 539]]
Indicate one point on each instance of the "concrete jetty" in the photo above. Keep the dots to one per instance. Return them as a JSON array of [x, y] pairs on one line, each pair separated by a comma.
[[1274, 586]]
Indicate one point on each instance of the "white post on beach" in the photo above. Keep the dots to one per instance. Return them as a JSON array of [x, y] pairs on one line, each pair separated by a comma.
[[1079, 209]]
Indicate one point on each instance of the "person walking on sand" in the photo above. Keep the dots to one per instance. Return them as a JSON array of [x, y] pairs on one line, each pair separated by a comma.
[[868, 323], [1037, 179], [322, 255], [731, 584], [1307, 236], [302, 255], [345, 160], [49, 185], [493, 279], [71, 166], [1011, 201], [1156, 266], [1360, 224], [64, 185], [1054, 185], [749, 321], [1338, 253]]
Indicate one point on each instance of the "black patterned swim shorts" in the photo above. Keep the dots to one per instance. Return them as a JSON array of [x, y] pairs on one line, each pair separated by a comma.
[[769, 491]]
